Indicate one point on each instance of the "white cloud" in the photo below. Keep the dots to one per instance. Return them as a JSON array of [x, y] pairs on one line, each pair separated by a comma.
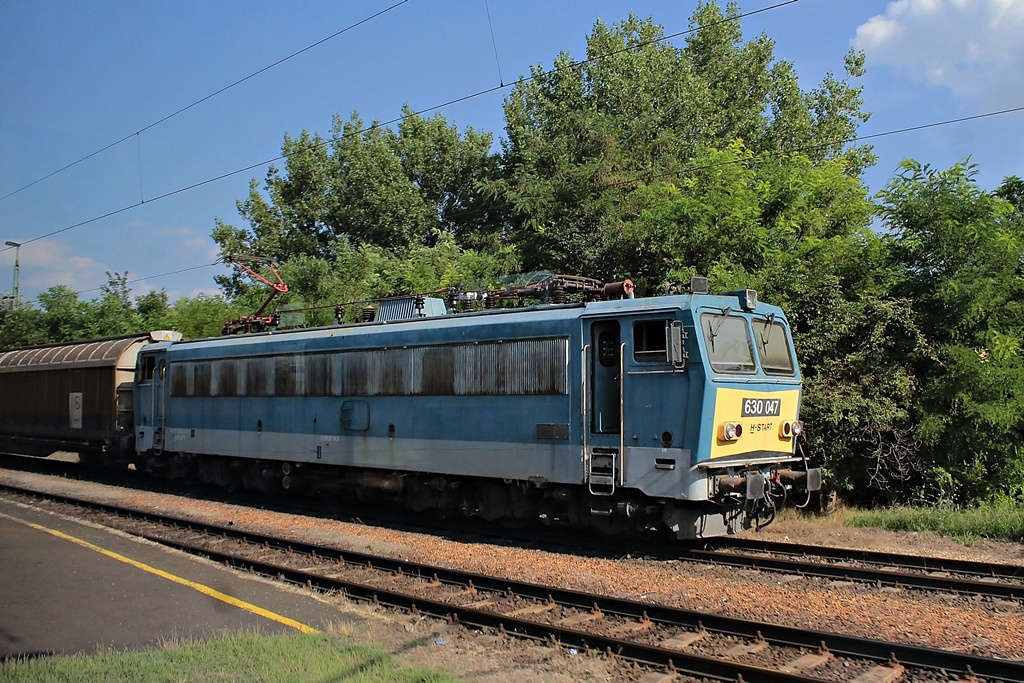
[[46, 263], [973, 47], [179, 231], [191, 241], [203, 247]]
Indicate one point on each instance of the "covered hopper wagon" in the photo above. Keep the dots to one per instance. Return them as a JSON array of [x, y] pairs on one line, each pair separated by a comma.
[[75, 397]]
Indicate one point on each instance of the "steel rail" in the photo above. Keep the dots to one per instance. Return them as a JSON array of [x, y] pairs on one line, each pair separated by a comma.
[[935, 564], [865, 574], [838, 644], [877, 575]]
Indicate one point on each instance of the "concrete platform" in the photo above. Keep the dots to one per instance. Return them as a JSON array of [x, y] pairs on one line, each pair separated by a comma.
[[68, 587]]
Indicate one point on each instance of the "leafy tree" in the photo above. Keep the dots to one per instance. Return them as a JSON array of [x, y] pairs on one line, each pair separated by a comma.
[[584, 137], [449, 172], [64, 316], [371, 272], [201, 316], [959, 252], [113, 314], [368, 185], [21, 327], [444, 264], [153, 308], [1012, 190], [744, 220], [859, 387]]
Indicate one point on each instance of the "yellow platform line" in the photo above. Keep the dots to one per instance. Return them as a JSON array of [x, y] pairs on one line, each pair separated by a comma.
[[206, 590]]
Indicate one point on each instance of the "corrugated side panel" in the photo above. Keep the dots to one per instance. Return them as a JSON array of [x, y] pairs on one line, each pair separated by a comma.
[[392, 310], [88, 354], [512, 368], [509, 368]]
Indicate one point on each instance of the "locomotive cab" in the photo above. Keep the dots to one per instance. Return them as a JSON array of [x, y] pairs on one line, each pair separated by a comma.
[[691, 402], [751, 425]]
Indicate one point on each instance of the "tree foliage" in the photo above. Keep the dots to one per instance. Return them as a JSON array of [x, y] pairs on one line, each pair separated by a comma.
[[585, 136], [62, 317], [367, 184], [368, 202], [958, 253]]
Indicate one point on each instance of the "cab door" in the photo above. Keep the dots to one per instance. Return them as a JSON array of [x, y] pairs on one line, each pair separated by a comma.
[[602, 444], [159, 405], [655, 399], [150, 401], [635, 379]]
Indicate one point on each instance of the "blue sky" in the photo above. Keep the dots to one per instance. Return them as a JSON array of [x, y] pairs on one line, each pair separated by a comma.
[[78, 75]]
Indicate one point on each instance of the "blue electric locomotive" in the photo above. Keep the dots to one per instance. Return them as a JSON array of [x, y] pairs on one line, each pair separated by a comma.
[[678, 412]]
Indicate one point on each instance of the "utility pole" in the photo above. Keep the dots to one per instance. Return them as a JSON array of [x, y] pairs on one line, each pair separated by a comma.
[[17, 269]]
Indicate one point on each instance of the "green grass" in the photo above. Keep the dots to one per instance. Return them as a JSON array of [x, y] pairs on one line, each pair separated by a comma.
[[242, 657], [992, 520]]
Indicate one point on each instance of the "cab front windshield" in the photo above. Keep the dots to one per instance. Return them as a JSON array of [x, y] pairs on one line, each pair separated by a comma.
[[773, 346], [731, 348], [728, 342]]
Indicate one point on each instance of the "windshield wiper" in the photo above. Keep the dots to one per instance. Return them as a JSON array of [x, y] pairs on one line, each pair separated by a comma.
[[712, 333], [769, 323]]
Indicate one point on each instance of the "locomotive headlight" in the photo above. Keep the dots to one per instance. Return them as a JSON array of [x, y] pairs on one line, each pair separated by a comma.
[[730, 431], [787, 430]]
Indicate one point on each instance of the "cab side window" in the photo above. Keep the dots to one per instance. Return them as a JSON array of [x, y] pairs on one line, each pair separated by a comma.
[[649, 341], [147, 369]]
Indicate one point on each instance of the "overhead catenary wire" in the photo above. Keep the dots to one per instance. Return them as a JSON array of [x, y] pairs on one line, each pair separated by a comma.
[[184, 109], [398, 119], [497, 88], [494, 43], [154, 277], [859, 138]]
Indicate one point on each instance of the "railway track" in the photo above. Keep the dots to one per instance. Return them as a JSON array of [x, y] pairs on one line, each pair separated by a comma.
[[869, 557], [942, 575], [668, 639], [986, 579]]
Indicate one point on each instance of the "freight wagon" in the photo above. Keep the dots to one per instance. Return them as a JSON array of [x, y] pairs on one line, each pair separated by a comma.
[[75, 397]]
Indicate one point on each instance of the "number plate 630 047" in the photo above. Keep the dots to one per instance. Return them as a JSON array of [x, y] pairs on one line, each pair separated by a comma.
[[761, 407]]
